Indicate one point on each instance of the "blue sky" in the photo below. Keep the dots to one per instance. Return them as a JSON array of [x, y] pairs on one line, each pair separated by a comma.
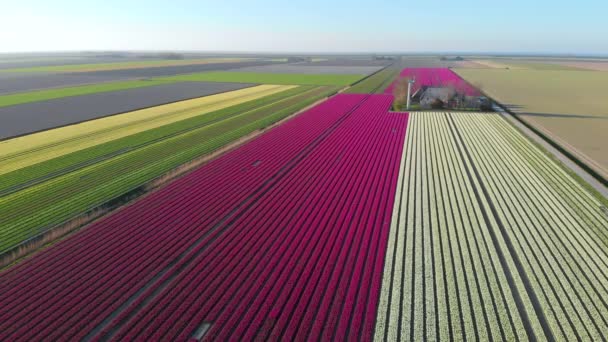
[[307, 26]]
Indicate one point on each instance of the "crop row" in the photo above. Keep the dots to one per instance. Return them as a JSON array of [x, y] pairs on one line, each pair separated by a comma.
[[73, 286], [490, 248], [558, 237], [72, 153], [304, 259], [39, 147], [40, 207]]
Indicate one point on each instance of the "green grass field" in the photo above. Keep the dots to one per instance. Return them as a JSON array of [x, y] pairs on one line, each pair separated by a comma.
[[376, 83], [44, 195], [267, 78], [486, 248], [55, 93], [569, 106]]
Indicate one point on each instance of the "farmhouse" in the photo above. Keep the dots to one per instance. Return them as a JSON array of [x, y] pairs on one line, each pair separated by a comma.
[[448, 97]]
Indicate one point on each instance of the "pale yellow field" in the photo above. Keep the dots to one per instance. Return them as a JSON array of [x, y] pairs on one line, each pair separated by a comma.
[[35, 148], [568, 105], [494, 64]]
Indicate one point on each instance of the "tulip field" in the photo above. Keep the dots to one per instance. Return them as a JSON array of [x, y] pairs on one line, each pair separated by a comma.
[[280, 232], [490, 240], [435, 77], [343, 222]]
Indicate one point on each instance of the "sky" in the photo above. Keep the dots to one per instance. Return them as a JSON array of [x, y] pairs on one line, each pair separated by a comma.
[[312, 26]]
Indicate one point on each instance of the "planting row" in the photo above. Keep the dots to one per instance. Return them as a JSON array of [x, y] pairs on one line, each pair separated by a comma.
[[486, 248], [49, 193], [302, 258], [78, 285]]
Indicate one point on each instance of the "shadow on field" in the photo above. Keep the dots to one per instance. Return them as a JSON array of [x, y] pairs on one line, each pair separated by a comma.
[[564, 116], [521, 110]]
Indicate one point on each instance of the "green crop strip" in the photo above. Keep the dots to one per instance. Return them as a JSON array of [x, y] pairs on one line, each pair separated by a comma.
[[376, 83], [268, 78], [40, 207], [55, 93]]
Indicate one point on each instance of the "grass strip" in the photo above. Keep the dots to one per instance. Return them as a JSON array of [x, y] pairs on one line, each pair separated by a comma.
[[269, 78], [55, 93], [376, 83]]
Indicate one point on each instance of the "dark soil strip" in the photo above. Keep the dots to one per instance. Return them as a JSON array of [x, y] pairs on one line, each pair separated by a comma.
[[33, 117]]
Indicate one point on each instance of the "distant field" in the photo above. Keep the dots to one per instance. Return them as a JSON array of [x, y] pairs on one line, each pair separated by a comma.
[[269, 78], [539, 65], [12, 83], [430, 62], [25, 83], [41, 115], [522, 63], [54, 93], [588, 65], [123, 65], [569, 105], [24, 151], [311, 69], [375, 83]]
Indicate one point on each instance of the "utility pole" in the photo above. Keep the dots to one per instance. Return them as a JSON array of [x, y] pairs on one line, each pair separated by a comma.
[[409, 92]]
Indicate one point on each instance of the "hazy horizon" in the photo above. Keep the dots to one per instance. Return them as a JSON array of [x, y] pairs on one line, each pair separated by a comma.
[[270, 26]]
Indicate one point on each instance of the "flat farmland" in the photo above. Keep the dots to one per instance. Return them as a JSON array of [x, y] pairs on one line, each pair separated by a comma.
[[269, 78], [347, 63], [57, 175], [136, 64], [282, 238], [311, 68], [376, 83], [24, 83], [568, 106], [41, 115], [589, 65], [27, 83], [21, 62], [162, 71], [490, 248]]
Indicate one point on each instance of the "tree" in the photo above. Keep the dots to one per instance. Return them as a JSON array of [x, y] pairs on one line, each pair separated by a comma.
[[400, 91], [437, 104]]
